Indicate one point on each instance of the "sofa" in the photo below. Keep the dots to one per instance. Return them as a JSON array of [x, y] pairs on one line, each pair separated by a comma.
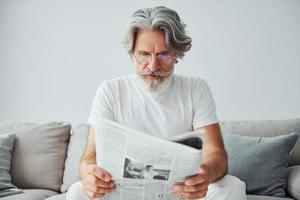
[[45, 158]]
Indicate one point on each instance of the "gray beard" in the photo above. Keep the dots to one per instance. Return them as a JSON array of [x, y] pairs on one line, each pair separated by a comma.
[[156, 85]]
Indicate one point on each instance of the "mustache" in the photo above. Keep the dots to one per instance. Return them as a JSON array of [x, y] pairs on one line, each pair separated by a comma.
[[159, 73]]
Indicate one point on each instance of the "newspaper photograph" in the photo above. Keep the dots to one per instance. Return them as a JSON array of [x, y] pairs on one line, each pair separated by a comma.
[[143, 167]]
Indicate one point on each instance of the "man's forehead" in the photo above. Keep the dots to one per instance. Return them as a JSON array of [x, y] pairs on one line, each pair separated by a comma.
[[150, 41]]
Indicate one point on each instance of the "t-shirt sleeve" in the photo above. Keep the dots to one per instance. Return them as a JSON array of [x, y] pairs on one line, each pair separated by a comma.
[[102, 106], [204, 105]]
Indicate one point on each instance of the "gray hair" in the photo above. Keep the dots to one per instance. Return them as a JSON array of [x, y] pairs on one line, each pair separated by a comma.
[[159, 19]]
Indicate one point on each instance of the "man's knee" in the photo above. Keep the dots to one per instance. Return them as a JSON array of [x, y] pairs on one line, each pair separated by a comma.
[[233, 183], [227, 188], [76, 192]]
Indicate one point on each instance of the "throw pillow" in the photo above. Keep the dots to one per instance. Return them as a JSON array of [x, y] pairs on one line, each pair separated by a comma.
[[6, 147], [266, 128], [39, 153], [261, 162]]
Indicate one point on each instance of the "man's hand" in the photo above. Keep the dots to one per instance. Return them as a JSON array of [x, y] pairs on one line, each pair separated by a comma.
[[194, 187], [96, 181]]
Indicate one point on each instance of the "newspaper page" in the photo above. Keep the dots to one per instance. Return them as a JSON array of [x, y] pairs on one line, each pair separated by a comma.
[[143, 167]]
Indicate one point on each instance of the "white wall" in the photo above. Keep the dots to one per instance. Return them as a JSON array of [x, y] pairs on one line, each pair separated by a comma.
[[54, 53]]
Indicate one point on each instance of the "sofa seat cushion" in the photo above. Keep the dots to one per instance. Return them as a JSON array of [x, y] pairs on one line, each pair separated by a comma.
[[31, 194], [39, 153], [58, 197], [261, 197]]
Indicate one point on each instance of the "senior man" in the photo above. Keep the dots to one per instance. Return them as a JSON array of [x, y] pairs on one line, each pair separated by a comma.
[[158, 102]]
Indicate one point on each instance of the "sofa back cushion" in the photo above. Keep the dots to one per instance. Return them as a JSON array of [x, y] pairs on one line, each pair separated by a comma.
[[267, 128], [76, 149], [39, 153], [270, 128]]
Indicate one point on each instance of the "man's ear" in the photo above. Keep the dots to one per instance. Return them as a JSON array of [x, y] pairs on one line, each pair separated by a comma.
[[131, 58]]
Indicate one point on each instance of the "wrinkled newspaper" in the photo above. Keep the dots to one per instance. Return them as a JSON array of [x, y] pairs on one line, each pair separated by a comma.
[[143, 167]]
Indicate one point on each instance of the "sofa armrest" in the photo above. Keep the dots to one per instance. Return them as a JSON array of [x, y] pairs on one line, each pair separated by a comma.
[[293, 188]]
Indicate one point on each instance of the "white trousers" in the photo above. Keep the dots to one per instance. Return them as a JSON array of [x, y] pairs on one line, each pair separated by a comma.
[[227, 188]]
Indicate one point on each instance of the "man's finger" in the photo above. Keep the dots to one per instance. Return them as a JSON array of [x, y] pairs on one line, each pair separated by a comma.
[[195, 180], [93, 180], [195, 188], [186, 189], [98, 190], [177, 188], [194, 195], [100, 173]]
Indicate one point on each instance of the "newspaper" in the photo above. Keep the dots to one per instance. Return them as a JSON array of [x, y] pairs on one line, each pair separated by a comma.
[[143, 167]]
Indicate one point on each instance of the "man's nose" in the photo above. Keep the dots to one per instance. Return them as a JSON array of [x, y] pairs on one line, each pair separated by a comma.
[[154, 64]]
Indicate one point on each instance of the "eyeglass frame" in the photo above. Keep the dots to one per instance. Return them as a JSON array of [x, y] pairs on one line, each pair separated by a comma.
[[173, 57]]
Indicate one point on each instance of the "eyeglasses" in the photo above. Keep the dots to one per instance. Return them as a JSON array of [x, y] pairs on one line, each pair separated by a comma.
[[164, 58]]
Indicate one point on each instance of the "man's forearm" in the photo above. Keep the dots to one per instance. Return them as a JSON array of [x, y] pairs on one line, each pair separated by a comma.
[[89, 156], [85, 161], [214, 157], [216, 164]]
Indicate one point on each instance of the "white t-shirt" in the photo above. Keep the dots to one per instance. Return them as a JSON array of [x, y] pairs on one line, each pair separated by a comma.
[[186, 103]]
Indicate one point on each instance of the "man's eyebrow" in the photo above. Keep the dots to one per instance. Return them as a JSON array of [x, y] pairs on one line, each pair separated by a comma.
[[166, 51], [142, 51]]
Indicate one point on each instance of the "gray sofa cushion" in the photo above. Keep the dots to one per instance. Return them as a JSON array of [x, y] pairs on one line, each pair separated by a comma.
[[39, 153], [261, 162], [257, 197], [58, 197], [293, 187], [31, 194], [267, 128], [6, 147], [76, 148]]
